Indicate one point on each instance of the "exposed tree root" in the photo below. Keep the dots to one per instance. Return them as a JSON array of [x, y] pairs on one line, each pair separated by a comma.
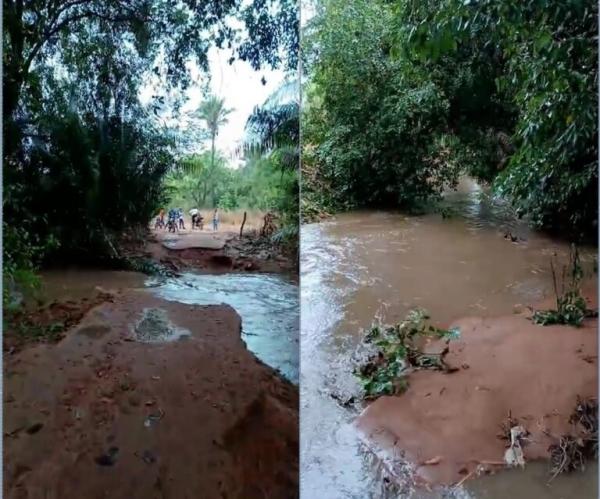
[[571, 452]]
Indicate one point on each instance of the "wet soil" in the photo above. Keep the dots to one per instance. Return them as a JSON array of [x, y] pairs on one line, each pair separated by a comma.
[[46, 323], [217, 252], [140, 397], [507, 365], [101, 414]]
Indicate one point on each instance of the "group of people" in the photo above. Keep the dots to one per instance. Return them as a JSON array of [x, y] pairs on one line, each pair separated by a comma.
[[176, 222]]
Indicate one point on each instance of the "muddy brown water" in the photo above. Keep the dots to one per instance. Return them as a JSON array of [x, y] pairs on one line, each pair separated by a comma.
[[360, 266], [76, 283]]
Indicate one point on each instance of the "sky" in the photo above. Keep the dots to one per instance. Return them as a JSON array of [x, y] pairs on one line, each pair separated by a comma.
[[239, 85], [242, 89]]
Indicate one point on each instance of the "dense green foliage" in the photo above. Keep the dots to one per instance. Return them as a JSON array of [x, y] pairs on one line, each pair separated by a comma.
[[83, 158], [258, 184], [87, 180], [273, 132], [406, 95], [268, 178]]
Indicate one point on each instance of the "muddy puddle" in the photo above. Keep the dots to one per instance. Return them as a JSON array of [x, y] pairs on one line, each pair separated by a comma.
[[480, 261], [76, 283], [267, 303]]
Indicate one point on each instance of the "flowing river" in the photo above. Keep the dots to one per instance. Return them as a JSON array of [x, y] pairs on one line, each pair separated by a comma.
[[360, 266], [267, 303]]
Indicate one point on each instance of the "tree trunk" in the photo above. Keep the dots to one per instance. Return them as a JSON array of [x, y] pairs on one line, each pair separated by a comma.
[[212, 151], [212, 166]]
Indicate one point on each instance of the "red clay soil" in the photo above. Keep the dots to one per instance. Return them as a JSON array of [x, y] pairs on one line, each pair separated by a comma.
[[228, 259], [100, 415], [507, 364], [22, 325]]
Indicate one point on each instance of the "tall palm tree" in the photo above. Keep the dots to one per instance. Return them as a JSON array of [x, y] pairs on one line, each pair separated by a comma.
[[214, 114]]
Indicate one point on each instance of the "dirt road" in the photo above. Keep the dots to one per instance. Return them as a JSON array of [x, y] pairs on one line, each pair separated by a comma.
[[147, 398], [105, 413]]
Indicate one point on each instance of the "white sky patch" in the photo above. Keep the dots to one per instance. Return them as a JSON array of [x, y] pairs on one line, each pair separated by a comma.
[[238, 84], [242, 89]]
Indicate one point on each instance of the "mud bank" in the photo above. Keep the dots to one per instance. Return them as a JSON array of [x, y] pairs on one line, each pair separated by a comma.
[[225, 252], [506, 364], [105, 413]]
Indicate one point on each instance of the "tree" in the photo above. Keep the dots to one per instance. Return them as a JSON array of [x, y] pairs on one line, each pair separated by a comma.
[[273, 139], [546, 52], [214, 114], [376, 126], [160, 37], [405, 95], [83, 158], [203, 174]]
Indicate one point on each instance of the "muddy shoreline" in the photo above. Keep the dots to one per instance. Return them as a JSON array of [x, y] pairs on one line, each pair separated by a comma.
[[229, 254], [447, 425], [366, 266], [97, 412]]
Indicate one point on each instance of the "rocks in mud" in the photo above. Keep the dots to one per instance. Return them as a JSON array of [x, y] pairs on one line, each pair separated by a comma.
[[153, 418], [148, 457], [513, 237], [155, 326]]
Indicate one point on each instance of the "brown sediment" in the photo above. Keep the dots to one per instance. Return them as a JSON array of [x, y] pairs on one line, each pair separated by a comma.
[[232, 254], [102, 415], [508, 365], [21, 326]]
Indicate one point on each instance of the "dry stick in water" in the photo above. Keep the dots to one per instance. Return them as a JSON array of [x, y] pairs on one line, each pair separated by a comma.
[[469, 475], [478, 468], [242, 227]]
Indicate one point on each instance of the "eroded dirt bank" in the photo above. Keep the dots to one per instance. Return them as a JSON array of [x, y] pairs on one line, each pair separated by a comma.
[[216, 252], [104, 414], [507, 365]]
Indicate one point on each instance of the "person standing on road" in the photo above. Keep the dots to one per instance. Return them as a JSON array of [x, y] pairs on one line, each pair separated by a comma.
[[180, 215], [172, 220], [194, 214], [216, 219]]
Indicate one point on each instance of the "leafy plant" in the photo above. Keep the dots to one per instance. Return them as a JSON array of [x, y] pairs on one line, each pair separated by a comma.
[[571, 308], [398, 352]]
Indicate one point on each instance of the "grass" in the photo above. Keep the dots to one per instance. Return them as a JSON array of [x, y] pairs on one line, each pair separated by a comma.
[[254, 218], [397, 353], [36, 332], [571, 308]]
